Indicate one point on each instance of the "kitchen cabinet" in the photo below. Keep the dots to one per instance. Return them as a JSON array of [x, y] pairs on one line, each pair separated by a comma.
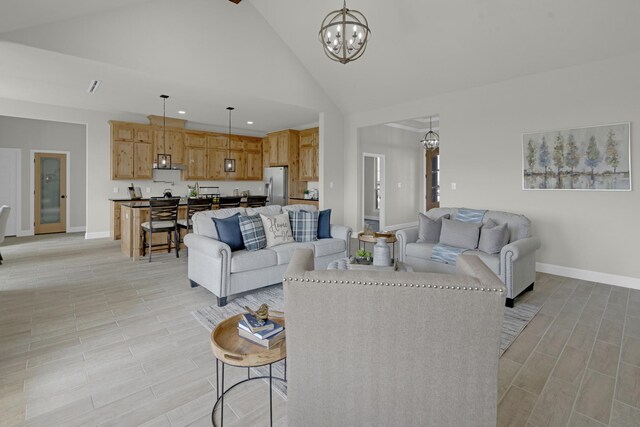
[[309, 155], [131, 151], [240, 173], [254, 165], [195, 139], [283, 147], [196, 166], [174, 145], [215, 164]]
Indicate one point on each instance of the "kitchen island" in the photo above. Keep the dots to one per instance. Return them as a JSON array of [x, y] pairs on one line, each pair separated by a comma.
[[134, 213]]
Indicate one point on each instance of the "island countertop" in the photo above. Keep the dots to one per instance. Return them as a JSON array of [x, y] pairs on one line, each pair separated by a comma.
[[138, 204]]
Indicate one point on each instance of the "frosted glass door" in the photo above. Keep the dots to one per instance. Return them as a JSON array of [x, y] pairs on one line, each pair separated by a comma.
[[50, 200]]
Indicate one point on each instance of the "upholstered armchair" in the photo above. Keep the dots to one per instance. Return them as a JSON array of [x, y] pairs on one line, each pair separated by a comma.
[[4, 217], [368, 348]]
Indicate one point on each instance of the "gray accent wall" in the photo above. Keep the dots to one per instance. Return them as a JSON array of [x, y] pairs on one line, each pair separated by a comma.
[[30, 134], [370, 188]]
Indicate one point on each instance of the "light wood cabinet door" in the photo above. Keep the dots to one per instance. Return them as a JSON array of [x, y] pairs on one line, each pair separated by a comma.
[[265, 153], [217, 141], [123, 132], [306, 162], [283, 149], [215, 164], [143, 134], [196, 163], [241, 166], [143, 160], [316, 163], [122, 160], [174, 145], [306, 139], [273, 150], [194, 139], [254, 165]]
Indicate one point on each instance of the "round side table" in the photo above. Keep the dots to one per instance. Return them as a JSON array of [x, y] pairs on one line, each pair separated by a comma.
[[363, 239], [230, 348]]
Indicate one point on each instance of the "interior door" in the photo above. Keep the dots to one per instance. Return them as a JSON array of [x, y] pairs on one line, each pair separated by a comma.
[[50, 193]]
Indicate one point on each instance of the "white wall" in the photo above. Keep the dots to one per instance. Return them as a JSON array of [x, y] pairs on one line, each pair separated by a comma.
[[586, 234], [403, 171], [27, 135]]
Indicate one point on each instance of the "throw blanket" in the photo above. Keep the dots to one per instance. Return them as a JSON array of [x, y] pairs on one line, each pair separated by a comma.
[[470, 215], [446, 254], [449, 254]]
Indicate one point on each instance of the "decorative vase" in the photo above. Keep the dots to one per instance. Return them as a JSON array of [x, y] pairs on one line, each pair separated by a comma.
[[381, 253]]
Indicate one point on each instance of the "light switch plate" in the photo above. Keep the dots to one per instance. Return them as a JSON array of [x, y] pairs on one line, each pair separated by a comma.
[[453, 185]]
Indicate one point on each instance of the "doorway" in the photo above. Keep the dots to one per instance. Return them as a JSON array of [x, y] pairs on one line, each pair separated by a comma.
[[10, 188], [50, 193], [373, 191], [432, 177]]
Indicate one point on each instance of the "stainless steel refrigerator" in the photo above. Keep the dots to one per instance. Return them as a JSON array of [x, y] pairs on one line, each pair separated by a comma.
[[275, 185]]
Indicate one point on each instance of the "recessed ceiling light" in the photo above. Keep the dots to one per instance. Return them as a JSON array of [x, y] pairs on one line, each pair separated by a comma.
[[249, 122], [182, 112]]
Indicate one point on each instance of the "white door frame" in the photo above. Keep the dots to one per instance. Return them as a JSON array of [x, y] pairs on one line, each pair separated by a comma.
[[382, 189], [17, 209], [32, 189]]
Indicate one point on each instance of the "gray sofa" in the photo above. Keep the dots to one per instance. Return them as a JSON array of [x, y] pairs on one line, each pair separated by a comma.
[[515, 265], [212, 264], [382, 349]]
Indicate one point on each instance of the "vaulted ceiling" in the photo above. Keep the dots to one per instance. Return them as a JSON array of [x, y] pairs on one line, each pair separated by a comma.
[[265, 56]]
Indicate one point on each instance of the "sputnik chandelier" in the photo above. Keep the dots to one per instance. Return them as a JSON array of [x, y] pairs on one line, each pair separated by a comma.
[[344, 34]]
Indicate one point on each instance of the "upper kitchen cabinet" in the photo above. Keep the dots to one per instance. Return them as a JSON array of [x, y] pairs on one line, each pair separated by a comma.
[[308, 170], [283, 147], [174, 144], [131, 151]]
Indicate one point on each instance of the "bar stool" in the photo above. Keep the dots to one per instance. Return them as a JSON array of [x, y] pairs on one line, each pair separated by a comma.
[[256, 201], [229, 202], [193, 206], [163, 217]]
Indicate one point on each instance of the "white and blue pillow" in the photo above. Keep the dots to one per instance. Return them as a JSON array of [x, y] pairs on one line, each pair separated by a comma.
[[252, 231]]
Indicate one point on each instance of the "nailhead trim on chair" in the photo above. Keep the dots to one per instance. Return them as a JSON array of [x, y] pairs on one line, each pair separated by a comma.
[[410, 285]]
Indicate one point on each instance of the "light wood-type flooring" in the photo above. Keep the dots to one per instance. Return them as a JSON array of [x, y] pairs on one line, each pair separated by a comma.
[[89, 337]]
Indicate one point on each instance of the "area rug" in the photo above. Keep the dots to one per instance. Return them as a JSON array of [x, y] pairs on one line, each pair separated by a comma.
[[515, 320]]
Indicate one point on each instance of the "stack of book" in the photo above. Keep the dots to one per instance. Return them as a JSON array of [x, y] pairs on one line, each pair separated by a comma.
[[267, 333]]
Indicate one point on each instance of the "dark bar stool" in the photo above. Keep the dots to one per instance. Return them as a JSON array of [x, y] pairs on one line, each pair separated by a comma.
[[193, 206], [163, 217], [256, 201], [229, 202]]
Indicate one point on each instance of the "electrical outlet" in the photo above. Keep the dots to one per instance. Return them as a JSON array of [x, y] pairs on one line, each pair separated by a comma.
[[116, 189], [331, 185], [148, 189], [399, 185], [454, 186]]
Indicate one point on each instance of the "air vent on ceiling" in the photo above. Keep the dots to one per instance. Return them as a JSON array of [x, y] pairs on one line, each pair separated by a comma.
[[93, 87]]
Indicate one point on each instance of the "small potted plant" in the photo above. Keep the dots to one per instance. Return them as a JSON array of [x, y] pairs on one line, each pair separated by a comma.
[[307, 194], [363, 257]]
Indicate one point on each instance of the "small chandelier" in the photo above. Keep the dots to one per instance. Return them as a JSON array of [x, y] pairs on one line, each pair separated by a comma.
[[430, 140], [344, 34], [164, 159], [229, 163]]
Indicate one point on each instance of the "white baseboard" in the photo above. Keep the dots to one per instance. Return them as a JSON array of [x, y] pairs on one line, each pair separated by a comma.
[[24, 233], [591, 276], [400, 226], [79, 229], [97, 235]]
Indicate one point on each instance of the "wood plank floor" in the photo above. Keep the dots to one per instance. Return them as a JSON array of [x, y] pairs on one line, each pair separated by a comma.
[[88, 337]]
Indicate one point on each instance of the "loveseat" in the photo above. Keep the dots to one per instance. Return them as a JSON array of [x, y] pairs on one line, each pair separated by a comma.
[[514, 263], [212, 264], [379, 348]]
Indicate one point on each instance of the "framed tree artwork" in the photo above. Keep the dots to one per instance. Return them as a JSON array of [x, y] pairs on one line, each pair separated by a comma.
[[588, 158]]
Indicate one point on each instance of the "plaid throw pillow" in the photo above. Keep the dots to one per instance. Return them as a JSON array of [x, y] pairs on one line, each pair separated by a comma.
[[304, 225], [252, 232]]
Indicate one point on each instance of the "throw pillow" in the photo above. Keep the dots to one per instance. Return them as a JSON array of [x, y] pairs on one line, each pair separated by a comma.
[[229, 231], [429, 229], [460, 234], [252, 232], [304, 225], [493, 237], [324, 224], [277, 229]]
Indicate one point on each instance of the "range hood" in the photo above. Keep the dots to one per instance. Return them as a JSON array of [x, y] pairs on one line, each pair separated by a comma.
[[174, 167]]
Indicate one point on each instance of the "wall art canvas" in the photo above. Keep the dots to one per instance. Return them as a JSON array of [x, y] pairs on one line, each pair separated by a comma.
[[589, 158]]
